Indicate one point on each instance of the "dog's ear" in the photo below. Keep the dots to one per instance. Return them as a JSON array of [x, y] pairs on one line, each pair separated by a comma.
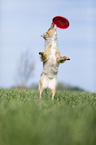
[[44, 35]]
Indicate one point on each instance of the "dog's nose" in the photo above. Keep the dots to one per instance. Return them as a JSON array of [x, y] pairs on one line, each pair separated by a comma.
[[52, 25]]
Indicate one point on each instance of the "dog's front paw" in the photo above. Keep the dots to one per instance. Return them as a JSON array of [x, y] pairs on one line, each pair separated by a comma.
[[41, 53], [64, 58], [67, 58]]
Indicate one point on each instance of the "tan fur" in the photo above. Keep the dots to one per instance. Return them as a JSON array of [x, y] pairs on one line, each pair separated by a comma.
[[51, 59]]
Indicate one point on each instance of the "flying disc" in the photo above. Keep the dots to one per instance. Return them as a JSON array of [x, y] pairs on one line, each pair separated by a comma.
[[61, 22]]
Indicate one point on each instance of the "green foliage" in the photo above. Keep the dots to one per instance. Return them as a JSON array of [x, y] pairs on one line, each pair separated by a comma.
[[27, 120]]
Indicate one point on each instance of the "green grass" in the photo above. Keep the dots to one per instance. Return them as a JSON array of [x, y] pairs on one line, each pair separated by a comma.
[[27, 120]]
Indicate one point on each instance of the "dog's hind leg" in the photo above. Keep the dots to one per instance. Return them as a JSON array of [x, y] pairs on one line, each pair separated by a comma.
[[53, 93], [41, 93], [40, 89]]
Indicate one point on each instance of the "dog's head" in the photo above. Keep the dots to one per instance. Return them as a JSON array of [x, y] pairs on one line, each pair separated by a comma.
[[50, 33]]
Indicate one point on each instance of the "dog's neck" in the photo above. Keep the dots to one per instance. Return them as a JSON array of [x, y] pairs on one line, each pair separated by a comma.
[[51, 41]]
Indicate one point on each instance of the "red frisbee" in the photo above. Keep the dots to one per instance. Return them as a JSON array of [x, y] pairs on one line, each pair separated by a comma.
[[60, 22]]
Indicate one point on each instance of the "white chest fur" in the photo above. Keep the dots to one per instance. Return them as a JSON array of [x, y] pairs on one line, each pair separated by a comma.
[[52, 57], [50, 68]]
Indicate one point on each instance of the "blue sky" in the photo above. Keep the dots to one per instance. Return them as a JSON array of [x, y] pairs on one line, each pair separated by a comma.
[[22, 23]]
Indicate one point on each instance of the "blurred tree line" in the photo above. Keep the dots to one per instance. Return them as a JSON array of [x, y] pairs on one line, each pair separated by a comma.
[[60, 86]]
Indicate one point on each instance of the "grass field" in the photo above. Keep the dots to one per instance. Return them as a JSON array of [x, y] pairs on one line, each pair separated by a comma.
[[27, 120]]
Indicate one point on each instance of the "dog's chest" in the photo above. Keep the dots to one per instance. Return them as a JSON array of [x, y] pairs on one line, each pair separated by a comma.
[[50, 68], [52, 57]]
